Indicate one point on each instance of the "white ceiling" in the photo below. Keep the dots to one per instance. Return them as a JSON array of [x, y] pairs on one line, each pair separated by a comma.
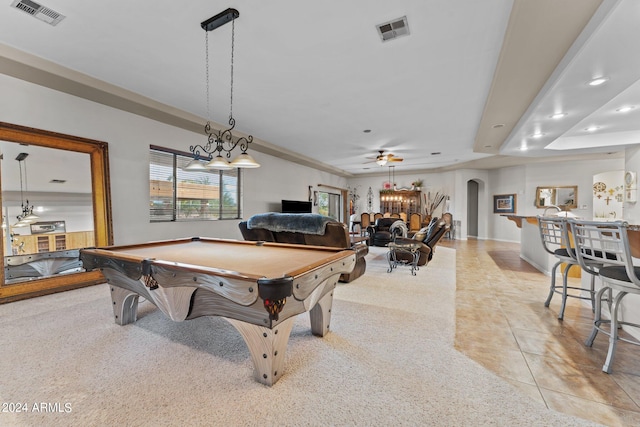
[[310, 77], [42, 166]]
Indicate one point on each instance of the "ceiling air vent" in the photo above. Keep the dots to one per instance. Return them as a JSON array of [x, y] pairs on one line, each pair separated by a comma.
[[38, 11], [393, 29]]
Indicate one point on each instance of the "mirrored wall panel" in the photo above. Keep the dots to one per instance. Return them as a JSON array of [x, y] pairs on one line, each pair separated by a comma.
[[55, 201], [47, 210]]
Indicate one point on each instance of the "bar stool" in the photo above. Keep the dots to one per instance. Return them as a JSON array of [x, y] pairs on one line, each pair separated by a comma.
[[607, 243], [555, 240]]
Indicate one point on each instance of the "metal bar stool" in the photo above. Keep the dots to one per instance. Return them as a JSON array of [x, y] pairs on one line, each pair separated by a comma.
[[607, 243], [556, 240]]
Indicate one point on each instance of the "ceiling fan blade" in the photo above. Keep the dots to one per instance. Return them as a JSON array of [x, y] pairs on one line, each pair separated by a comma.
[[394, 159]]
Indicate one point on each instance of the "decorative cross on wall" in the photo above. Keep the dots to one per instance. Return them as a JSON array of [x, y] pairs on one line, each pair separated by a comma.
[[608, 199]]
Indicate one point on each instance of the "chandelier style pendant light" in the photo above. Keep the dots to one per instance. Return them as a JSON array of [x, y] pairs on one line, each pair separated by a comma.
[[221, 140], [26, 216]]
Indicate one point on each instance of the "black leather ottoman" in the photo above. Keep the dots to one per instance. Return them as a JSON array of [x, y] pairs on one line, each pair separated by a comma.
[[381, 238]]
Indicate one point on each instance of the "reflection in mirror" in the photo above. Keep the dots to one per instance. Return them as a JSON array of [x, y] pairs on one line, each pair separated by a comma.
[[47, 210], [41, 236], [565, 197]]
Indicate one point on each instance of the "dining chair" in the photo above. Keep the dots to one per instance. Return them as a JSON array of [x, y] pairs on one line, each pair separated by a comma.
[[365, 222], [415, 222]]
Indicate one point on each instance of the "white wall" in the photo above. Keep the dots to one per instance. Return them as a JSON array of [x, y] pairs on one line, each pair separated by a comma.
[[523, 181], [510, 180], [76, 218], [432, 182], [608, 204], [632, 163], [631, 304], [129, 137]]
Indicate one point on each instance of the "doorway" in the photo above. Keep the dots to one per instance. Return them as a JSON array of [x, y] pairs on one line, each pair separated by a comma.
[[472, 208]]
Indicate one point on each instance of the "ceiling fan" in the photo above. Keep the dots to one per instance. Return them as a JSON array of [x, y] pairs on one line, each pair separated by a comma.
[[382, 158]]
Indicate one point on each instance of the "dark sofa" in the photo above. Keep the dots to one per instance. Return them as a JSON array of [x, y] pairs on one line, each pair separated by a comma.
[[336, 234]]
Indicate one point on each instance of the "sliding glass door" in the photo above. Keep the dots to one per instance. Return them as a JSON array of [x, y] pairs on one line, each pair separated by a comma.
[[330, 204]]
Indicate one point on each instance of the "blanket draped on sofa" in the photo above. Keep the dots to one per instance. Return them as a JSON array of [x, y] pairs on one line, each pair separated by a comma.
[[294, 223]]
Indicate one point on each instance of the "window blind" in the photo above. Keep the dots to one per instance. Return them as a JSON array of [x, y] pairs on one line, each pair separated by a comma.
[[177, 194]]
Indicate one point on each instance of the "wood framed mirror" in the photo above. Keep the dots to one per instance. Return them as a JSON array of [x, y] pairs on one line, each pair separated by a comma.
[[45, 238], [564, 197]]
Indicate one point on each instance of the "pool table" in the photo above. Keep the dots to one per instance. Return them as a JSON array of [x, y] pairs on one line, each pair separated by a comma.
[[258, 287], [24, 267]]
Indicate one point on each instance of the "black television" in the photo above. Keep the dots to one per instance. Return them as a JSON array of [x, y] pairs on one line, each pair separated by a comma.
[[296, 206]]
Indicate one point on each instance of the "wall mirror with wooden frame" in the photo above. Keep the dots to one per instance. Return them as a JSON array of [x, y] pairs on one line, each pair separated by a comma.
[[65, 179], [565, 197]]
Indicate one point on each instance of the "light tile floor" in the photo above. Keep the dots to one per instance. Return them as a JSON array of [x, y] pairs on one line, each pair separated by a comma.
[[502, 323]]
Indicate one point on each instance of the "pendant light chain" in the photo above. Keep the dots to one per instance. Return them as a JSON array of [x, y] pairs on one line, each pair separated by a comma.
[[26, 182], [233, 39], [206, 60], [21, 194], [28, 208]]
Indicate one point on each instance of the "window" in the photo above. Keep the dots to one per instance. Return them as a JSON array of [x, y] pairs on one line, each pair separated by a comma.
[[176, 194], [329, 204]]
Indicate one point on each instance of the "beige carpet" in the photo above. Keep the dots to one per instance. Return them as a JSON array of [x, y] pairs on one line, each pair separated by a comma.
[[388, 360]]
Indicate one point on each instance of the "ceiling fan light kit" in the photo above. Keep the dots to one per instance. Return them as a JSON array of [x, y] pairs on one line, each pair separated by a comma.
[[382, 159]]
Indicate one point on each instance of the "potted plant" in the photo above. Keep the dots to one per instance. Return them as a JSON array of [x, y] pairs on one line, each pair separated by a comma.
[[417, 184]]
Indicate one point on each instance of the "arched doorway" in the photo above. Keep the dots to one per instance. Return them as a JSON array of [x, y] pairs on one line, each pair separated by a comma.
[[472, 208]]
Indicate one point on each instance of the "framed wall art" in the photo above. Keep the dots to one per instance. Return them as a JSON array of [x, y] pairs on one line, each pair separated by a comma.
[[504, 203]]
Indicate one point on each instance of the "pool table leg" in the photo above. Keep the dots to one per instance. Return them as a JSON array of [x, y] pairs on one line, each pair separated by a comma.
[[267, 348], [125, 305], [320, 315]]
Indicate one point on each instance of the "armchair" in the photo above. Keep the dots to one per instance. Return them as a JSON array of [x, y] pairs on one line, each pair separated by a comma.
[[380, 233], [429, 236]]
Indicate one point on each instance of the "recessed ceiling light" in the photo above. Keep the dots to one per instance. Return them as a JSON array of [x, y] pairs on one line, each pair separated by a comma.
[[598, 81], [435, 153], [592, 128], [366, 130], [538, 135], [625, 109], [558, 115], [524, 147], [498, 125], [487, 146]]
